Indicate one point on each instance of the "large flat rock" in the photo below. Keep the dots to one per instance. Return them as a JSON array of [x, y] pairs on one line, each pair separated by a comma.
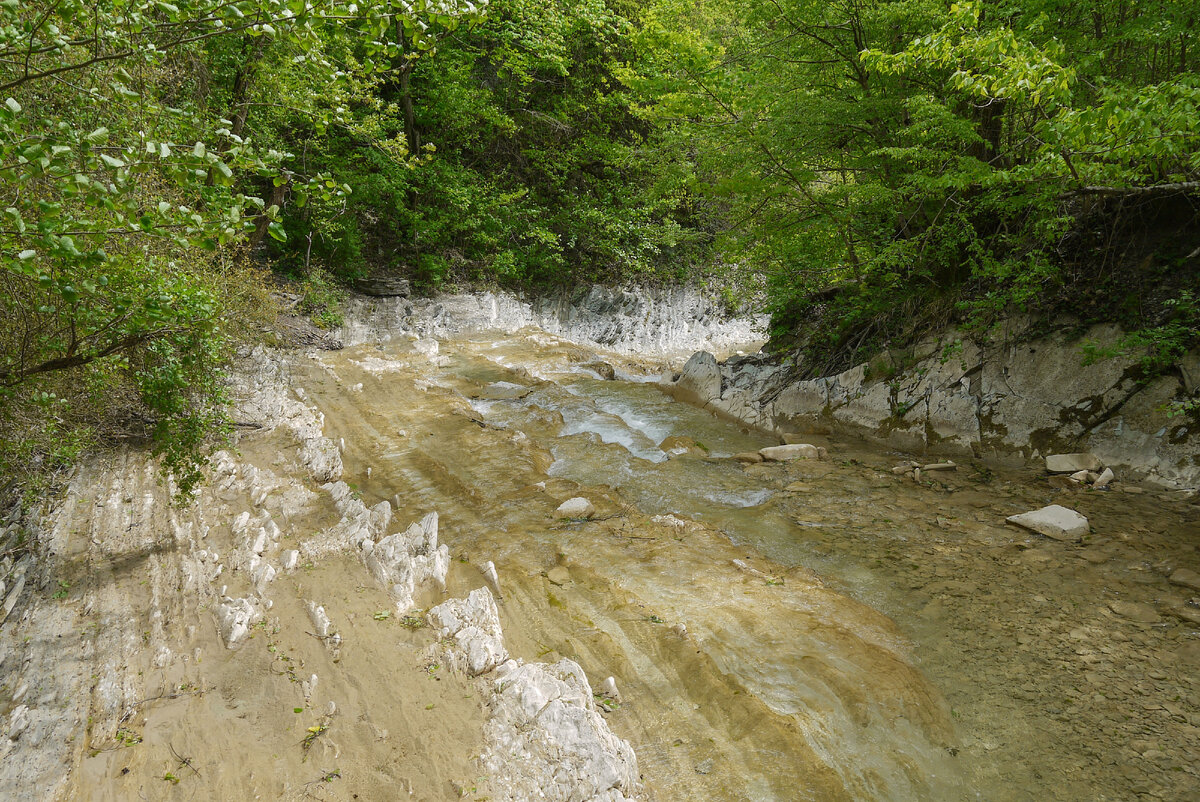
[[790, 452], [1054, 522], [1073, 463]]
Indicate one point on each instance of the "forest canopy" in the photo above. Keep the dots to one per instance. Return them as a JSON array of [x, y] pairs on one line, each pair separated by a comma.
[[884, 168]]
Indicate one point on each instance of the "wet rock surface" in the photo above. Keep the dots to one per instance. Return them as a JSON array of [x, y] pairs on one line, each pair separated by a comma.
[[1018, 397], [825, 629]]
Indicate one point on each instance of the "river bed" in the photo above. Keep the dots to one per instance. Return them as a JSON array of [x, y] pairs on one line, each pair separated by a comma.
[[812, 630], [1005, 675]]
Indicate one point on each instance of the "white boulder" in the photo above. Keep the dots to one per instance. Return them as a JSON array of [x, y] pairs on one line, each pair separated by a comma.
[[1072, 463], [578, 507], [790, 452], [1054, 522], [547, 740], [234, 619], [474, 624], [408, 560]]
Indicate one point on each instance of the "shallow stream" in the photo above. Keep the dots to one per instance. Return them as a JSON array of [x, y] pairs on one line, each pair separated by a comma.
[[813, 630]]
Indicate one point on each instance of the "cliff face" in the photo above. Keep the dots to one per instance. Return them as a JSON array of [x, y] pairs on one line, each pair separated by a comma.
[[1016, 399], [649, 321]]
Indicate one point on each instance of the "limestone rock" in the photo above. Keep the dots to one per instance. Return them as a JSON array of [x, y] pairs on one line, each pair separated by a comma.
[[559, 575], [1186, 577], [546, 739], [790, 452], [750, 457], [679, 444], [1183, 611], [474, 624], [234, 619], [578, 507], [609, 689], [322, 626], [493, 578], [601, 369], [409, 559], [1104, 479], [384, 286], [700, 381], [503, 391], [1072, 463], [291, 560], [1134, 611], [1054, 522]]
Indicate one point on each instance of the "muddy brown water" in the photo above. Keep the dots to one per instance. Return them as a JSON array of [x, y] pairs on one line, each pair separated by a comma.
[[817, 630]]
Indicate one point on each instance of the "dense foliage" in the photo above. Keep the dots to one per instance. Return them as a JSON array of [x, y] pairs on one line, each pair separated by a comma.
[[887, 165], [936, 160]]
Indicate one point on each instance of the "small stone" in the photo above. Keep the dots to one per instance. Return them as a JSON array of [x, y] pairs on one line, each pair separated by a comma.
[[1054, 522], [291, 559], [609, 689], [493, 578], [1132, 489], [796, 487], [602, 369], [1104, 479], [1079, 476], [750, 457], [1072, 463], [577, 507], [1064, 483], [1187, 578], [940, 466], [678, 444], [558, 575], [790, 452], [1134, 611]]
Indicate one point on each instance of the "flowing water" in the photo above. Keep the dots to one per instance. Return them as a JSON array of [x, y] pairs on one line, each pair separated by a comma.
[[816, 630]]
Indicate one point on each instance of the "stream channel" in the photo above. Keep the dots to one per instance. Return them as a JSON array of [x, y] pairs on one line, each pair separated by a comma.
[[812, 630]]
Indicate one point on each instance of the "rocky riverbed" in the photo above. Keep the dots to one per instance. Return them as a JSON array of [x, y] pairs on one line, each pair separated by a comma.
[[381, 593]]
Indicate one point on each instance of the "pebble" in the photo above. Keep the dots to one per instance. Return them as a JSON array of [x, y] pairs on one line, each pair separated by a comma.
[[577, 507], [558, 575]]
